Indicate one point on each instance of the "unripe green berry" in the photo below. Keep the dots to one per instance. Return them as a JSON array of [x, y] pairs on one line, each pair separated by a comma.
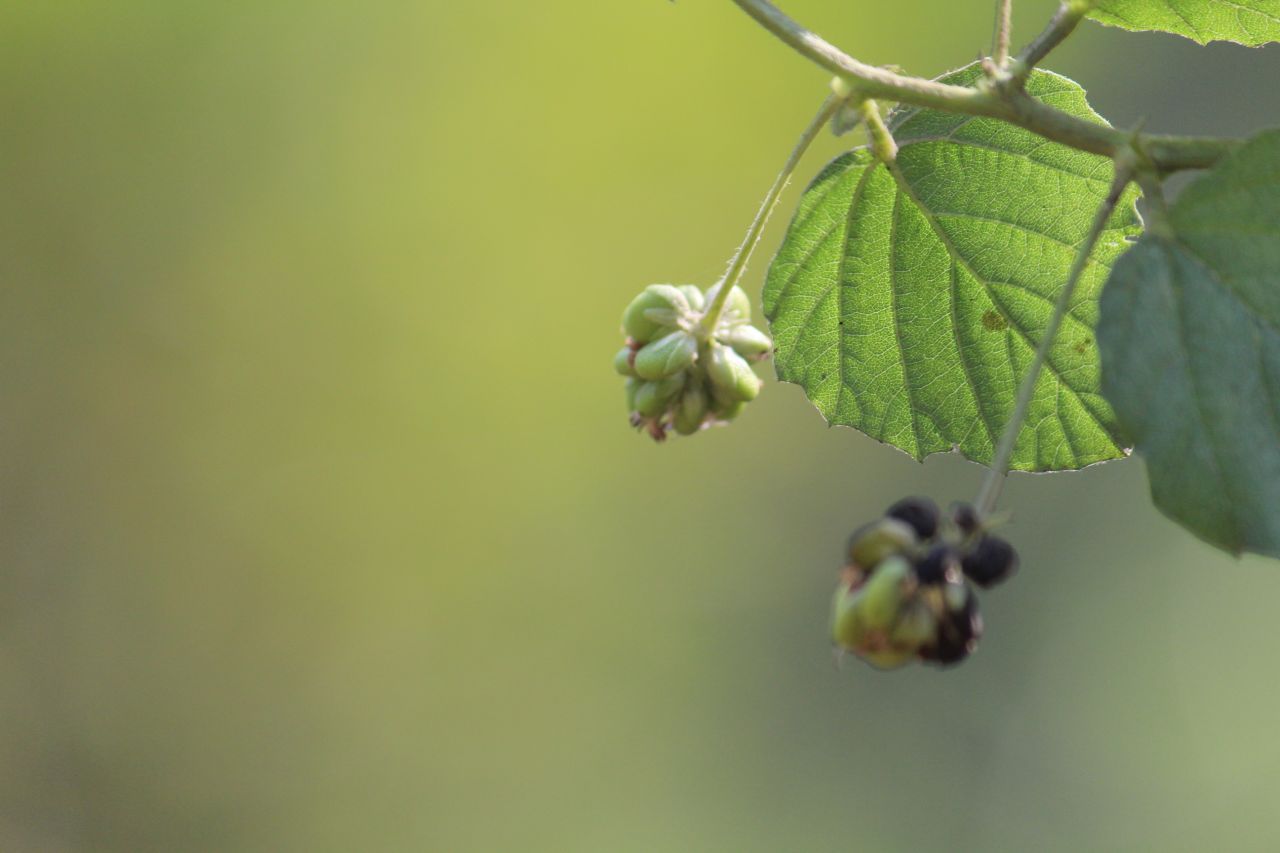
[[655, 397], [663, 300], [691, 411], [622, 362], [890, 657], [727, 410], [884, 593], [666, 356], [916, 626], [846, 618], [883, 538], [748, 341], [732, 375], [697, 301]]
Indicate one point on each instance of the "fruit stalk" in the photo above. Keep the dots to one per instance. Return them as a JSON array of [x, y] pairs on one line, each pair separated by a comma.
[[739, 263], [989, 494]]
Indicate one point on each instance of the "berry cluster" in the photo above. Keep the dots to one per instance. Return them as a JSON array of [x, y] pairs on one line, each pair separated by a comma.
[[680, 375], [906, 592]]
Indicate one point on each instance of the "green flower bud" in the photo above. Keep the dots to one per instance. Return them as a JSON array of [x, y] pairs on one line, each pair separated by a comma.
[[748, 341], [732, 375], [737, 309], [694, 294], [664, 301], [655, 397], [666, 356], [691, 411], [886, 537], [622, 362]]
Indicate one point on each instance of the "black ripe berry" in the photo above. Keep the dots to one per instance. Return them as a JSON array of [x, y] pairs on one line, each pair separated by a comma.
[[940, 565], [966, 518], [991, 561], [920, 513]]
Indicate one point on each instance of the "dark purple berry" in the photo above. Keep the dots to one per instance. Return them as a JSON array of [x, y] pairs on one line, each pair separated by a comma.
[[920, 513], [958, 634], [947, 652], [940, 565], [966, 518], [991, 561]]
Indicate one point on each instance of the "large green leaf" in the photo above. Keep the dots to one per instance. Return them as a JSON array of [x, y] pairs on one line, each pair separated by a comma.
[[1190, 338], [908, 301], [1249, 22]]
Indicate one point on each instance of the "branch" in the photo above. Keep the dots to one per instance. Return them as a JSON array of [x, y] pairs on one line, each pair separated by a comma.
[[1064, 23], [1167, 153]]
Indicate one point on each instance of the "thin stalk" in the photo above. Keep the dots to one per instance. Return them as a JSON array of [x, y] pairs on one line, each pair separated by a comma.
[[989, 494], [1168, 153], [739, 263]]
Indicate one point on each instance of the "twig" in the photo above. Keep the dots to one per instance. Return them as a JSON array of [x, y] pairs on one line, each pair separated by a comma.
[[1168, 153]]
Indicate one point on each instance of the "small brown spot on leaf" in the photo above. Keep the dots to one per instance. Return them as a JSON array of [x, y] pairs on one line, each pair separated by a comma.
[[993, 322], [1082, 345]]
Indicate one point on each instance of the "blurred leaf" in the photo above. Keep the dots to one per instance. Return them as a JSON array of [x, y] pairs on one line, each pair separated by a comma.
[[1248, 22], [1190, 338], [908, 303]]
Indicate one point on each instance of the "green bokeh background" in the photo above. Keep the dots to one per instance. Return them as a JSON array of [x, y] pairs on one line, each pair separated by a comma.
[[321, 528]]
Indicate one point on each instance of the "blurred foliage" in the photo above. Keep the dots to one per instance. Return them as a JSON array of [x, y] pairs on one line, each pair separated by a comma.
[[321, 528]]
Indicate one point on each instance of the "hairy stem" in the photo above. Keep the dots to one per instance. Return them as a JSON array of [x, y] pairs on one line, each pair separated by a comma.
[[1004, 32], [989, 494], [1168, 153], [739, 263]]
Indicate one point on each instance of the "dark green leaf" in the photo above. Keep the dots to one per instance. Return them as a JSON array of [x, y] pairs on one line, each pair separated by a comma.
[[1190, 338], [908, 302]]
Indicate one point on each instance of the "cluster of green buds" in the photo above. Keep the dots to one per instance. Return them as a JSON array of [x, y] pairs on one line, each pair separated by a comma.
[[685, 371], [907, 589]]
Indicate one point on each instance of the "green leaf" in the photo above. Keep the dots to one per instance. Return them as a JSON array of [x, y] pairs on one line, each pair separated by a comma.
[[908, 302], [1248, 22], [1190, 338]]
